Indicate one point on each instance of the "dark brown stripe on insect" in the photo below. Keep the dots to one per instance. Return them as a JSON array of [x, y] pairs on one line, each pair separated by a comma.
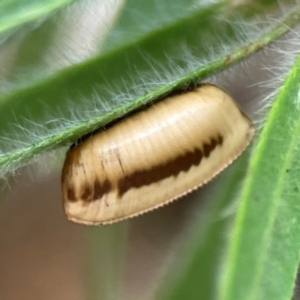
[[172, 168], [101, 189], [71, 194]]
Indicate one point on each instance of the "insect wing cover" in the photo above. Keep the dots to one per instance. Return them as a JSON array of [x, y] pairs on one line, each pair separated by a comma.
[[154, 156]]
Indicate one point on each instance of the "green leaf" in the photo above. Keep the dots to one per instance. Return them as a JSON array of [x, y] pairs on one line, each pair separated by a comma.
[[14, 14], [41, 113], [263, 251]]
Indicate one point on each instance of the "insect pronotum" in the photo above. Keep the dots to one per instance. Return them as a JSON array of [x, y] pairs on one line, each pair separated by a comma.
[[154, 156]]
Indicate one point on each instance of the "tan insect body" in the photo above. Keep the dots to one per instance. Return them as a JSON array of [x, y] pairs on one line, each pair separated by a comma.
[[154, 156]]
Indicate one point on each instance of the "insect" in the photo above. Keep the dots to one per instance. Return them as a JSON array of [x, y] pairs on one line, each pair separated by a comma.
[[154, 156]]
